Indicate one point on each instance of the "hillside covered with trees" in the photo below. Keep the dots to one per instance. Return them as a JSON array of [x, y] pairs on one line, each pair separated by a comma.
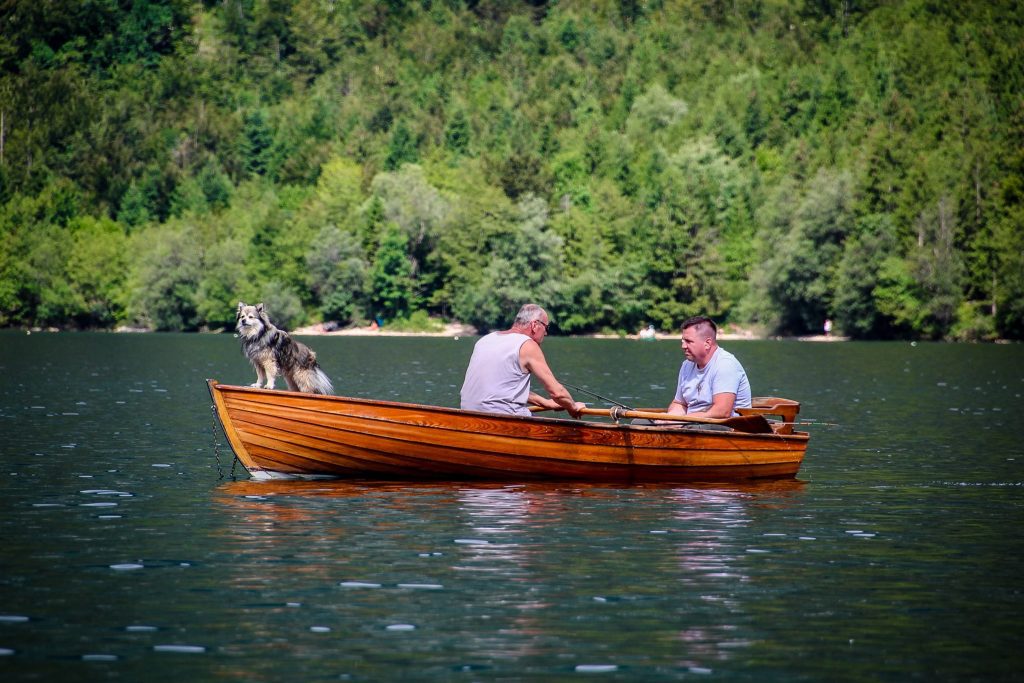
[[771, 163]]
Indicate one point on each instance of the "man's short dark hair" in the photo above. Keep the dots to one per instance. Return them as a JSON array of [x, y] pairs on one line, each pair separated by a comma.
[[701, 320]]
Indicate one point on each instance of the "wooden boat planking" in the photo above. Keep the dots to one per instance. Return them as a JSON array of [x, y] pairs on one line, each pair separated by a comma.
[[283, 434]]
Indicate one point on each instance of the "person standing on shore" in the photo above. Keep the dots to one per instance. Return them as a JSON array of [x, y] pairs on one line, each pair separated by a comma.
[[712, 383], [499, 372]]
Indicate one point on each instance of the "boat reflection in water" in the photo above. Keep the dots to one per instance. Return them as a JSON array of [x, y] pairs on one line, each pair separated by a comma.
[[490, 575]]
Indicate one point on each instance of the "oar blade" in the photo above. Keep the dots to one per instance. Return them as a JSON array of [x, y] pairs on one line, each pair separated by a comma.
[[752, 424]]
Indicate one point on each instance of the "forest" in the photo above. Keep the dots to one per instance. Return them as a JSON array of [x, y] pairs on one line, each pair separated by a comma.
[[770, 163]]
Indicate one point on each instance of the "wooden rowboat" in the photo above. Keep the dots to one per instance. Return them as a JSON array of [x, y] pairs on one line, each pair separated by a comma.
[[285, 434]]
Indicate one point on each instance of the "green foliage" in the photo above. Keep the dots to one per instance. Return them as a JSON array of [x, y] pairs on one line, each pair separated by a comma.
[[773, 164], [164, 278], [417, 321], [96, 268], [337, 270], [391, 282]]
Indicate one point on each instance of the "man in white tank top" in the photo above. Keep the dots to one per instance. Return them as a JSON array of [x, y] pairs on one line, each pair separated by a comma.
[[498, 376]]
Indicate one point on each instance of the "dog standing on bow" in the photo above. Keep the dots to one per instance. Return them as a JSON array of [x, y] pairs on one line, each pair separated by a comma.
[[273, 352]]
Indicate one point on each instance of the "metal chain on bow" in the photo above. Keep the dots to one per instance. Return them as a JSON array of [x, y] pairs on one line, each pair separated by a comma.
[[216, 447]]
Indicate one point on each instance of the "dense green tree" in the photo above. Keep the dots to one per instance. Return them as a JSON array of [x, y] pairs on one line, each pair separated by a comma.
[[135, 207], [391, 282], [96, 269], [770, 164], [402, 148], [522, 264], [164, 278], [257, 141], [337, 270]]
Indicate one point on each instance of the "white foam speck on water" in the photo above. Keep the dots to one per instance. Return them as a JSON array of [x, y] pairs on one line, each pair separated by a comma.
[[139, 628], [855, 531], [181, 649], [81, 403], [320, 629], [255, 497], [69, 413], [358, 584], [421, 586], [472, 541], [37, 407], [659, 531], [108, 516], [756, 550], [699, 670], [99, 505], [293, 604], [6, 652], [12, 619], [773, 534], [47, 505], [808, 538], [160, 464], [401, 627], [99, 658], [596, 668], [127, 566], [598, 598], [121, 403]]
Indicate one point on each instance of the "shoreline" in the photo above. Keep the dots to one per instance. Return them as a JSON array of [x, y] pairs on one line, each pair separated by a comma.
[[458, 330]]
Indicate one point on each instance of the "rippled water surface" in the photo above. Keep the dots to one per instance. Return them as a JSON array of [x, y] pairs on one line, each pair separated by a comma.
[[893, 556]]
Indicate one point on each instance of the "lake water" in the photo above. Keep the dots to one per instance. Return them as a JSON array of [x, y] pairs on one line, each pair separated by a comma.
[[893, 556]]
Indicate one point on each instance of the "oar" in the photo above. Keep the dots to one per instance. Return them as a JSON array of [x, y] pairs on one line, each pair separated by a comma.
[[753, 424]]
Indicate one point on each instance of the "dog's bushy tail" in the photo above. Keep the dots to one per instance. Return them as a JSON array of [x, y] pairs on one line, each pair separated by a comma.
[[321, 383]]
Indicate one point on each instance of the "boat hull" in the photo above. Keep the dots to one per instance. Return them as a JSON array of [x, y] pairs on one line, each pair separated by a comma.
[[283, 434]]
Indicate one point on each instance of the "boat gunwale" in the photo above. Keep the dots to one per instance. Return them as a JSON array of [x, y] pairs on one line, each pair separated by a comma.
[[512, 419]]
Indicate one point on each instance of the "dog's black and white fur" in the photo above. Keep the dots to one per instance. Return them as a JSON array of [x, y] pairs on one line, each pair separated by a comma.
[[272, 351]]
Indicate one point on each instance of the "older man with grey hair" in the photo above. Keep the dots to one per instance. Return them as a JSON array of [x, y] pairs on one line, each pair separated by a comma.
[[499, 372]]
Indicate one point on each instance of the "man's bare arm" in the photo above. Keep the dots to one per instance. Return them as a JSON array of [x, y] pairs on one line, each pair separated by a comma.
[[532, 360]]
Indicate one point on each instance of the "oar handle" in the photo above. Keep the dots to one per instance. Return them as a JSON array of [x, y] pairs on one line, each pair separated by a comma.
[[648, 415], [755, 424]]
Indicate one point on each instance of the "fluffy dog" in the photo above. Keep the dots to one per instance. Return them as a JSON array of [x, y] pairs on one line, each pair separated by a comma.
[[272, 351]]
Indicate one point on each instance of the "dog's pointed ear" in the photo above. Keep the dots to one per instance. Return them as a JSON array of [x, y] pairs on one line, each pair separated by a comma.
[[259, 307], [238, 311]]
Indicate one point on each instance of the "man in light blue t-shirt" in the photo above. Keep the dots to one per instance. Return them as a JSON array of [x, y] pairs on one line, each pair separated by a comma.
[[712, 383]]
